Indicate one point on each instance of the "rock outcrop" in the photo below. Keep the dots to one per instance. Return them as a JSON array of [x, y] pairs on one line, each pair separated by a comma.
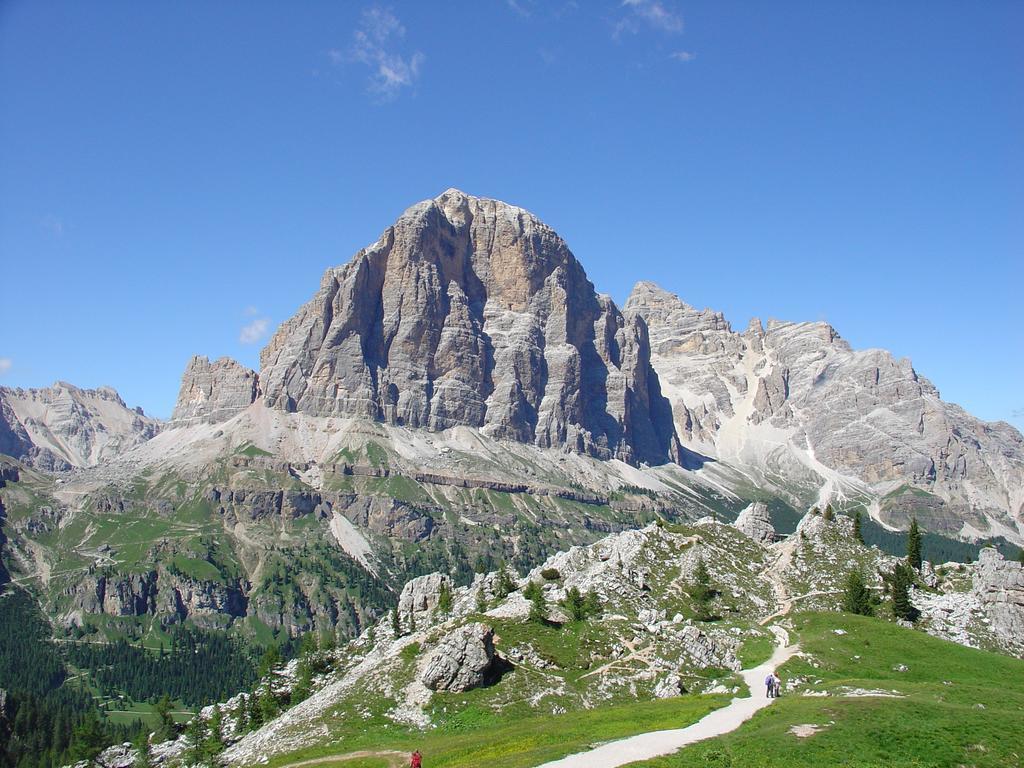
[[473, 312], [420, 596], [214, 392], [999, 586], [62, 427], [796, 401], [756, 522], [462, 660]]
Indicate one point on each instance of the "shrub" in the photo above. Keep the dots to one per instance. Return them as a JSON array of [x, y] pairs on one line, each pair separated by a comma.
[[551, 574]]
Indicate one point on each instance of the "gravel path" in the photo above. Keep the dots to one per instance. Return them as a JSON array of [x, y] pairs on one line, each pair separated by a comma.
[[646, 746]]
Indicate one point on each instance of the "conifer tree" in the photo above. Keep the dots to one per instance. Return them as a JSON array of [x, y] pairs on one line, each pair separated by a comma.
[[166, 728], [444, 599], [197, 733], [857, 597], [215, 739], [701, 590], [143, 756], [538, 603], [481, 599], [396, 623], [900, 579], [858, 534], [914, 546], [829, 515]]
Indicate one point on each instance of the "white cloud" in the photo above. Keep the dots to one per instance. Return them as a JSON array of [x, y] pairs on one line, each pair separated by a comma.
[[254, 331], [683, 55], [52, 224], [522, 7], [651, 13], [5, 365], [375, 44]]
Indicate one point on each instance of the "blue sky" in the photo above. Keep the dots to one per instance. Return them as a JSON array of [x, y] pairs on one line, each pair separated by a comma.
[[175, 177]]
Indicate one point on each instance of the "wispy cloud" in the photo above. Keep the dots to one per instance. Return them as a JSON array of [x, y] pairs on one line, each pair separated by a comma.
[[254, 331], [522, 7], [52, 224], [649, 13], [5, 365], [375, 43], [683, 56], [1017, 414]]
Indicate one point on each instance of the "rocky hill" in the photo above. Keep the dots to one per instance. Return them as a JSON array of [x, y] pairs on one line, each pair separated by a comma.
[[640, 632], [473, 312], [61, 427], [797, 406]]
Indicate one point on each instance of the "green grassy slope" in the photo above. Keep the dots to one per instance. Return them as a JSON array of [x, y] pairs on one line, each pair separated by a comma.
[[957, 706]]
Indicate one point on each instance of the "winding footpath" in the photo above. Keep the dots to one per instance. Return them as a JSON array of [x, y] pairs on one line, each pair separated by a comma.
[[647, 746]]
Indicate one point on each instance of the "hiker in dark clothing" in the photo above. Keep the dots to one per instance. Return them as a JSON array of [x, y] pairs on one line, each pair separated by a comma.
[[769, 684]]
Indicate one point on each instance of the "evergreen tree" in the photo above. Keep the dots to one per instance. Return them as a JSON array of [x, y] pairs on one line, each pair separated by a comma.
[[143, 756], [197, 732], [914, 546], [215, 739], [1020, 556], [271, 659], [481, 599], [857, 598], [701, 590], [88, 738], [575, 605], [506, 584], [166, 728], [829, 515], [444, 599], [396, 622], [858, 535], [253, 710], [538, 603], [899, 581], [304, 681]]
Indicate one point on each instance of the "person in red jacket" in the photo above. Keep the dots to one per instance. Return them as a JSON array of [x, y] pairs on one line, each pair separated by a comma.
[[417, 760]]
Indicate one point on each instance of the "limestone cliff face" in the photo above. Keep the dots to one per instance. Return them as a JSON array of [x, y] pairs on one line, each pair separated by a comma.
[[63, 426], [214, 392], [472, 312], [864, 414]]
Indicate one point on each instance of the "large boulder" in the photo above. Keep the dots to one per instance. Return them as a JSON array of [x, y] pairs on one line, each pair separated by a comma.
[[999, 585], [756, 522], [420, 596], [461, 661]]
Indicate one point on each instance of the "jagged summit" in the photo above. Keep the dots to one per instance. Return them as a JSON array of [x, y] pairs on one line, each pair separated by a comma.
[[469, 311], [796, 401], [64, 426]]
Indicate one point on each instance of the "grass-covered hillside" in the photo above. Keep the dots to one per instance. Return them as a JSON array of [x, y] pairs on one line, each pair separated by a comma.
[[870, 694]]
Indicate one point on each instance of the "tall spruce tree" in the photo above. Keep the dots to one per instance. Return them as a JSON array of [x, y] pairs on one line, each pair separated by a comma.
[[858, 534], [857, 597], [900, 580], [914, 546]]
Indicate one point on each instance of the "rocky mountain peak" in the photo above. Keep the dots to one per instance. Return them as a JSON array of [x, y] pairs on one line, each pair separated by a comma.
[[470, 311], [64, 426], [214, 392]]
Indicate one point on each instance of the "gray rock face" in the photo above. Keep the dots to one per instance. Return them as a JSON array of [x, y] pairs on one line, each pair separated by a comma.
[[786, 400], [999, 585], [61, 427], [472, 312], [705, 651], [461, 661], [214, 392], [419, 598], [755, 521]]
